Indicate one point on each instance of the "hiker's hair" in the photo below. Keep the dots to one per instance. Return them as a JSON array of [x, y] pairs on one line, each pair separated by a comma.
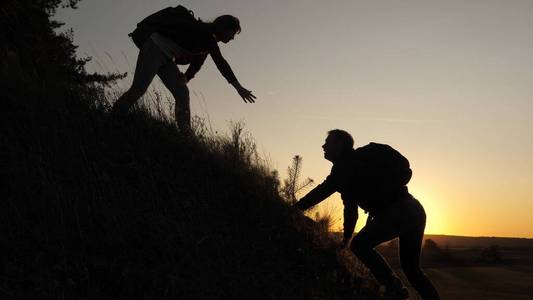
[[342, 137], [227, 22]]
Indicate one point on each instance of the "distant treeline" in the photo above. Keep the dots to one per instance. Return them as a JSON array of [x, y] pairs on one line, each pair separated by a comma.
[[481, 242]]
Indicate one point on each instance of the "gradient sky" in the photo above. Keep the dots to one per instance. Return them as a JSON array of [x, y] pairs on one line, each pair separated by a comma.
[[447, 83]]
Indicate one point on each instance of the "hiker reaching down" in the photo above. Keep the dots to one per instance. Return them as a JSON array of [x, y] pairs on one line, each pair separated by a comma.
[[374, 177], [171, 37]]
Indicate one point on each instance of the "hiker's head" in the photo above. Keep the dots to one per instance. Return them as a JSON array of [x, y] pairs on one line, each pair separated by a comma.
[[226, 27], [337, 143]]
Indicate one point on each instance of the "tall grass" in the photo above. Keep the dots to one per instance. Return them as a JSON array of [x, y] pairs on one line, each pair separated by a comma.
[[130, 209]]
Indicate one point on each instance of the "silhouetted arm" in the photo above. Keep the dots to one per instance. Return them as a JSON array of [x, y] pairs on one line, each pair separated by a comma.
[[222, 64], [226, 71], [350, 219], [319, 193], [194, 67]]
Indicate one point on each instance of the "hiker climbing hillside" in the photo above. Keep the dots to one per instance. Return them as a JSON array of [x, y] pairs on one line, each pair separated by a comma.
[[171, 37], [374, 177]]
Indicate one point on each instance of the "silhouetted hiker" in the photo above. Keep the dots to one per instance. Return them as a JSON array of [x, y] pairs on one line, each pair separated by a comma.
[[174, 36], [374, 177]]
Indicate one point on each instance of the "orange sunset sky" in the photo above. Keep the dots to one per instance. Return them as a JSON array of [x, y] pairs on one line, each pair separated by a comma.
[[447, 83]]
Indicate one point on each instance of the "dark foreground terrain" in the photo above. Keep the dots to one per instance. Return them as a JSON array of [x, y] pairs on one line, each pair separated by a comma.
[[126, 209]]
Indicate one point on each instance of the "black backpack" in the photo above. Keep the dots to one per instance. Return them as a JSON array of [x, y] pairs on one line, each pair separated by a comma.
[[165, 18], [385, 166]]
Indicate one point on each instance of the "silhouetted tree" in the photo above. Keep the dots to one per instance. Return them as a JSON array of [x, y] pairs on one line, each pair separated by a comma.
[[291, 185], [32, 47]]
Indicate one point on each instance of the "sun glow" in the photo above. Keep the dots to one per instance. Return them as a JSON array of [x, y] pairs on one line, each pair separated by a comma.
[[435, 211]]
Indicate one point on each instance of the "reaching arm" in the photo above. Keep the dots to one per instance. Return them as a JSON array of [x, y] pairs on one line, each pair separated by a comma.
[[222, 64], [226, 71], [319, 193], [350, 219]]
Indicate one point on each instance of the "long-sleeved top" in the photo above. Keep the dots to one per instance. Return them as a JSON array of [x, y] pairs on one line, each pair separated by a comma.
[[196, 37], [172, 50], [369, 177]]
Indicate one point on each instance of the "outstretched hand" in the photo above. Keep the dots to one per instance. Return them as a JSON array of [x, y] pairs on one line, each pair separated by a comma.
[[246, 95]]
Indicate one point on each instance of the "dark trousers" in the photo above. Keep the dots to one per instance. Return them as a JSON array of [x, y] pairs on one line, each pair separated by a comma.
[[405, 219], [150, 62]]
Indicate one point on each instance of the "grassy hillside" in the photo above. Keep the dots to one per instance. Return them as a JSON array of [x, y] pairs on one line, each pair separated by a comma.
[[97, 208], [101, 208]]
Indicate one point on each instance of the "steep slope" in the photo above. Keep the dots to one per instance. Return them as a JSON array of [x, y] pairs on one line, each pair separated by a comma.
[[102, 208]]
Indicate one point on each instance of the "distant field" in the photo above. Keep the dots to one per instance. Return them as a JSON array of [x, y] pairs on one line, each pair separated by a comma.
[[469, 241], [487, 283], [459, 272]]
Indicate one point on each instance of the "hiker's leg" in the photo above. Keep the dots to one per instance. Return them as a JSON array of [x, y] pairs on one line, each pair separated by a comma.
[[410, 245], [149, 61], [363, 244], [175, 81]]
